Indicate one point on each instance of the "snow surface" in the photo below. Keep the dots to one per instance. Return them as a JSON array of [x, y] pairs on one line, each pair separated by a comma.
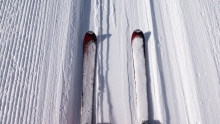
[[41, 51]]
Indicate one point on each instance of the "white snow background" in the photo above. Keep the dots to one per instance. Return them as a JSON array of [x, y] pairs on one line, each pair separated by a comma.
[[41, 49]]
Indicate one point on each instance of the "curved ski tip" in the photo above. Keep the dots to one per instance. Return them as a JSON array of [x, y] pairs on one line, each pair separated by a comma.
[[90, 32], [137, 31], [90, 36]]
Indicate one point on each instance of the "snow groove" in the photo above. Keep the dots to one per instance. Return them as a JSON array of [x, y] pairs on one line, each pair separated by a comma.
[[20, 60], [5, 81], [27, 60]]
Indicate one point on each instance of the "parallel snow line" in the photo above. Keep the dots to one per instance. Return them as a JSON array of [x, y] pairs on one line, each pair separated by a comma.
[[5, 34], [3, 13], [24, 59], [18, 69], [4, 81], [29, 65], [13, 67], [30, 59], [11, 98], [35, 69], [22, 39], [6, 24], [20, 51], [5, 17], [19, 21], [36, 64]]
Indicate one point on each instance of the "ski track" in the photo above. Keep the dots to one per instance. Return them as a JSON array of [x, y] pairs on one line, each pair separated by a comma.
[[41, 60]]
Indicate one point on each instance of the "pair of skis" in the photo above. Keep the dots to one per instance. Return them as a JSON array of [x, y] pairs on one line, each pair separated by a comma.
[[89, 70]]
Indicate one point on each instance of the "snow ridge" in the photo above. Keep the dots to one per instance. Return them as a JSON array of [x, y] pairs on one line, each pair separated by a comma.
[[20, 55]]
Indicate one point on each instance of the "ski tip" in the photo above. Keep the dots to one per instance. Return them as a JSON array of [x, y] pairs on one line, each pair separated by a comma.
[[90, 36], [137, 33]]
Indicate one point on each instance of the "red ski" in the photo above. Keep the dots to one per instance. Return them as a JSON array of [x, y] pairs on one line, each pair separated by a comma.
[[138, 33], [89, 37], [89, 70], [140, 77]]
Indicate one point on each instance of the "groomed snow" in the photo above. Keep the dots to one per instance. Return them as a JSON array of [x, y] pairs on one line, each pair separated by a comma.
[[41, 57]]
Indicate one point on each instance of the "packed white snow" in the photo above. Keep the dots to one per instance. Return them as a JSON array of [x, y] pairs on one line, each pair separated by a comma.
[[140, 78], [41, 58]]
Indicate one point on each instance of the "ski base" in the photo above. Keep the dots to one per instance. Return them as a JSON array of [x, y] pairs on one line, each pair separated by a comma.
[[89, 65]]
